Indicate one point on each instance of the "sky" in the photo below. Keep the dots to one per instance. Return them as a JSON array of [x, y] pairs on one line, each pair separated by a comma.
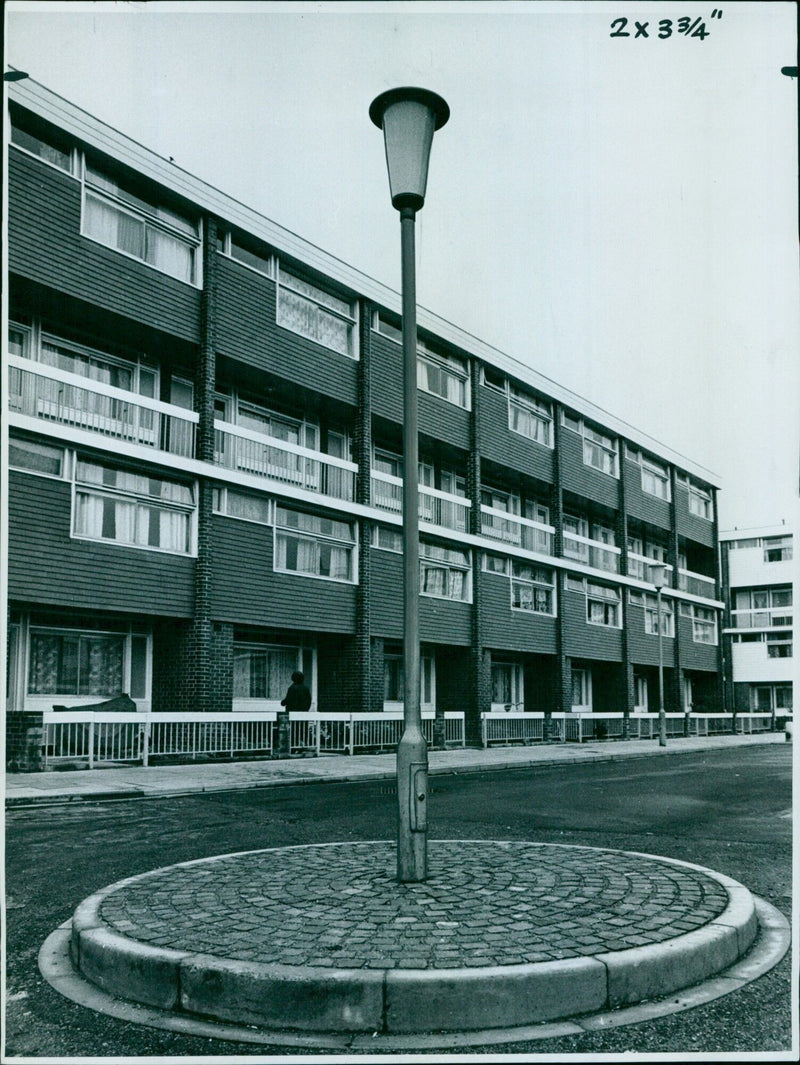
[[617, 212]]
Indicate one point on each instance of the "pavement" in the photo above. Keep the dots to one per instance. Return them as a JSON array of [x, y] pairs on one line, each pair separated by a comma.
[[133, 781], [322, 940]]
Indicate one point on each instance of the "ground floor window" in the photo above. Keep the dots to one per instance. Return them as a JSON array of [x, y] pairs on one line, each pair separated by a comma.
[[581, 689], [766, 698], [394, 680], [508, 686], [640, 693], [262, 673]]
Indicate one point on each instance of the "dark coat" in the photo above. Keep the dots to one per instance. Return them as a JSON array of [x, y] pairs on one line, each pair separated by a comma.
[[298, 697]]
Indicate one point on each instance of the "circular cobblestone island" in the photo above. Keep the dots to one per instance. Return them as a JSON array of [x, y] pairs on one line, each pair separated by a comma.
[[324, 938]]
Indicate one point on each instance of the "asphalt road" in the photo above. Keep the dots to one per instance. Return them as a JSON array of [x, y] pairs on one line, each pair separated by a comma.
[[728, 810]]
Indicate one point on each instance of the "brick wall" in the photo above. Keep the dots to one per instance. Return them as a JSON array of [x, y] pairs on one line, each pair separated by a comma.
[[24, 741]]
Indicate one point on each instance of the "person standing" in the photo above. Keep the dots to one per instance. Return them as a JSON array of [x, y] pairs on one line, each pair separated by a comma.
[[297, 698]]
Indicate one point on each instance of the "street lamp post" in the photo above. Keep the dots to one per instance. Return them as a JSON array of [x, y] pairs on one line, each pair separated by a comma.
[[659, 577], [409, 117]]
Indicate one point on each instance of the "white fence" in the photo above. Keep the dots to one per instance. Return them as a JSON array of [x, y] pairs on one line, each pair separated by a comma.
[[506, 727], [112, 738]]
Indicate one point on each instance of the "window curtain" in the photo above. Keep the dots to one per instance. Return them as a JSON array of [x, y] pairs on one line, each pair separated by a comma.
[[501, 684], [173, 530], [115, 228], [89, 515], [100, 665], [433, 580], [43, 669], [169, 254]]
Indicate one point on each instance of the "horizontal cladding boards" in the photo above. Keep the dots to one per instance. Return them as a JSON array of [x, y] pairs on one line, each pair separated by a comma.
[[642, 647], [46, 566], [245, 589], [45, 245], [581, 479], [247, 331], [643, 505], [443, 621], [437, 417], [695, 655], [512, 630], [386, 594], [582, 640], [498, 443], [689, 525]]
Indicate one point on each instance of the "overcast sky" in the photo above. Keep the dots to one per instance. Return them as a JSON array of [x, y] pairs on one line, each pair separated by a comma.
[[619, 213]]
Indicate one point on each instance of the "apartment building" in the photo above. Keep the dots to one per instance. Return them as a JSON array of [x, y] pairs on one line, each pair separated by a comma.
[[757, 571], [206, 471]]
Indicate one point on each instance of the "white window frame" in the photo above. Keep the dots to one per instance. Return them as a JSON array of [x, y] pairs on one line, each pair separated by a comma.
[[45, 445], [701, 624], [608, 597], [651, 617], [538, 410], [655, 479], [640, 693], [229, 250], [428, 559], [584, 677], [351, 319], [102, 491], [396, 545], [781, 544], [700, 500], [448, 365], [319, 539], [544, 581], [427, 679], [44, 701], [608, 444], [245, 703], [72, 167], [148, 219], [517, 685], [222, 500], [134, 366]]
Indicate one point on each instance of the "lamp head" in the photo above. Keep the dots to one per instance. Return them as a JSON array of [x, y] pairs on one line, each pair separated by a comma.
[[408, 117], [658, 574]]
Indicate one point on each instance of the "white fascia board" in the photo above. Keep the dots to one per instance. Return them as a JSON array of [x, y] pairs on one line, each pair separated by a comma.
[[97, 134], [756, 533]]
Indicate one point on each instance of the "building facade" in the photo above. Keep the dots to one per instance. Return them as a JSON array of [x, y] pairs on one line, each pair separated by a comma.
[[205, 474], [757, 570]]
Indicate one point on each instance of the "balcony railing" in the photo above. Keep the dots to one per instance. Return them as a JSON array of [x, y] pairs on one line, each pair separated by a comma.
[[767, 618], [513, 529], [591, 552], [641, 567], [64, 398], [697, 584], [435, 507], [265, 456]]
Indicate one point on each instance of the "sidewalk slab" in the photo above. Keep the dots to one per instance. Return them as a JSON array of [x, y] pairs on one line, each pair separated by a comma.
[[125, 782]]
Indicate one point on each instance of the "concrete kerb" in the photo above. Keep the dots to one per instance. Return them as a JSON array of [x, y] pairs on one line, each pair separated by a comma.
[[406, 1001]]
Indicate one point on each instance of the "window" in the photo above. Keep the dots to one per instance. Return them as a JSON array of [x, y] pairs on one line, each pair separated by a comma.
[[394, 678], [443, 375], [314, 546], [576, 548], [651, 616], [655, 478], [263, 672], [581, 689], [493, 378], [241, 505], [133, 509], [762, 607], [532, 588], [263, 262], [156, 235], [599, 449], [779, 645], [602, 605], [639, 693], [700, 501], [778, 549], [783, 698], [495, 564], [69, 663], [507, 686], [97, 366], [444, 572], [704, 623], [36, 458], [318, 315], [382, 324], [387, 539], [530, 416], [51, 145]]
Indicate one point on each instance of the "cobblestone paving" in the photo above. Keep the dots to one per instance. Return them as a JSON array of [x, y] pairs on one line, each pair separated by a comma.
[[484, 903]]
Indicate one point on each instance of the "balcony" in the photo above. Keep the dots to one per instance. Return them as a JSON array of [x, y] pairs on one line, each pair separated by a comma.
[[697, 584], [250, 452], [513, 529], [435, 507], [766, 618], [62, 398], [641, 567], [591, 552]]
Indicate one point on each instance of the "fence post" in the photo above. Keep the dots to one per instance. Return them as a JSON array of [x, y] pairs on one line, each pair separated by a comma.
[[91, 742], [146, 744], [351, 737], [317, 731], [580, 728]]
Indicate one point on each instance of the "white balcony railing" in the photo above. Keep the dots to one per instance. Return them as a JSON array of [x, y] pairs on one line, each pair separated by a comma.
[[697, 584], [767, 618], [63, 398], [513, 529], [641, 567], [265, 456], [591, 552], [435, 507]]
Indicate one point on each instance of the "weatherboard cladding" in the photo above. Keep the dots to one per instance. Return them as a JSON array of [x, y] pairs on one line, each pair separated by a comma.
[[643, 647], [45, 565], [688, 524], [246, 590], [642, 505], [582, 640], [248, 332], [45, 245], [499, 444], [583, 480], [695, 655], [513, 630], [440, 620]]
